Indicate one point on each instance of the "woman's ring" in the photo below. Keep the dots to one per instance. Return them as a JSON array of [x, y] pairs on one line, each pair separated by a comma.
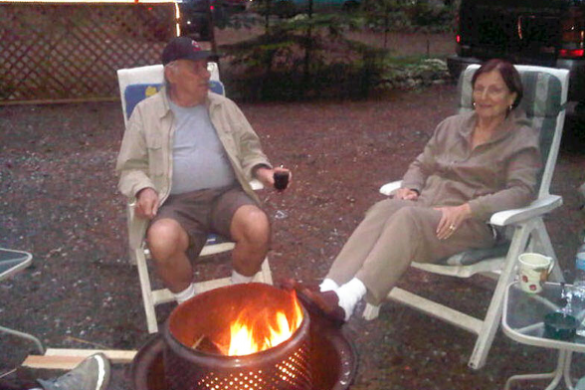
[[452, 227]]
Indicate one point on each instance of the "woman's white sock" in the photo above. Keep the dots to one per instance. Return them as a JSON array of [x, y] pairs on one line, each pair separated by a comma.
[[186, 294], [238, 278], [349, 295], [328, 285]]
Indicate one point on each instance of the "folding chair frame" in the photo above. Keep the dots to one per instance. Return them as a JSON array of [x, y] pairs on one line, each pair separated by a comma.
[[529, 232]]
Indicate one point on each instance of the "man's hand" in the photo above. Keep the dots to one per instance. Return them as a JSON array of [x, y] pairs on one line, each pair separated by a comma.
[[406, 194], [266, 175], [452, 219], [146, 203]]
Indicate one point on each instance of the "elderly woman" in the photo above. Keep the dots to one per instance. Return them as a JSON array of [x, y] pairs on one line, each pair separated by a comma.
[[474, 165]]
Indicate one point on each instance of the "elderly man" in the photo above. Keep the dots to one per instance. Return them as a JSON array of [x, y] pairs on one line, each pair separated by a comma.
[[187, 157]]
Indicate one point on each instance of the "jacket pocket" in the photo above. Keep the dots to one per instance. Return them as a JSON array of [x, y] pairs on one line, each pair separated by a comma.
[[155, 154]]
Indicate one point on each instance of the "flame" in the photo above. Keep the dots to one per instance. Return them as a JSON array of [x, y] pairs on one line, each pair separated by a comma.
[[257, 330]]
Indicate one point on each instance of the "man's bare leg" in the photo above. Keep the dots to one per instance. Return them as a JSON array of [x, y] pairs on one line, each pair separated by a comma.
[[250, 230], [168, 242]]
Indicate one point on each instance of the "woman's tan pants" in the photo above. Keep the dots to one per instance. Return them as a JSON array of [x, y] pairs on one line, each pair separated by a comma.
[[392, 235]]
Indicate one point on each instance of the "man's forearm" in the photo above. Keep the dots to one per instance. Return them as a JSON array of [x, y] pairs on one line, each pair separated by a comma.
[[132, 182]]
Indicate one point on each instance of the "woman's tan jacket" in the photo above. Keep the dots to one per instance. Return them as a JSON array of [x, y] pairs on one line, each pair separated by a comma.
[[498, 175]]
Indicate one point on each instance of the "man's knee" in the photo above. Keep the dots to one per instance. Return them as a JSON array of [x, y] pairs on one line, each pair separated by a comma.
[[165, 237], [251, 223]]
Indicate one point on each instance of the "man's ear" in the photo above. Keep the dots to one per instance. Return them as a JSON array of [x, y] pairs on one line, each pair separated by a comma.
[[169, 74]]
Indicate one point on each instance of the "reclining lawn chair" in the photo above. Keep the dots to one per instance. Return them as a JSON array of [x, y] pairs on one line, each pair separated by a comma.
[[137, 84], [545, 96]]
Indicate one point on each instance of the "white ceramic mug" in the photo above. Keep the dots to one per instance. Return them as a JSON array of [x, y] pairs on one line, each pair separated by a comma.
[[533, 270]]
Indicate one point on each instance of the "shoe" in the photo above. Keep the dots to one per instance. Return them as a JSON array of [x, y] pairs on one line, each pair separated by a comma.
[[327, 302], [93, 373]]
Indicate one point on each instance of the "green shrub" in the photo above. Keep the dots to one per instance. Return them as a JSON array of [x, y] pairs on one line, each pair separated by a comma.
[[408, 16], [309, 57], [413, 73]]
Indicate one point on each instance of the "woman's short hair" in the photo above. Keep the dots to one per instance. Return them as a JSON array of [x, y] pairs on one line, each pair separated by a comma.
[[509, 74]]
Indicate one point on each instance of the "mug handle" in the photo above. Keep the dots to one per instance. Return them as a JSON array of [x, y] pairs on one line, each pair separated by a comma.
[[552, 264]]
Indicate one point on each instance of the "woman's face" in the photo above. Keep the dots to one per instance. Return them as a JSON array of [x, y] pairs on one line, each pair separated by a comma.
[[491, 96]]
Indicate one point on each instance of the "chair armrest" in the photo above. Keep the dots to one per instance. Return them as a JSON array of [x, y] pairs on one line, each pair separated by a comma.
[[130, 208], [508, 217], [541, 206], [387, 188]]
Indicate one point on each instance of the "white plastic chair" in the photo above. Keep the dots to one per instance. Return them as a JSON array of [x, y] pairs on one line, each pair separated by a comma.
[[545, 97], [135, 85]]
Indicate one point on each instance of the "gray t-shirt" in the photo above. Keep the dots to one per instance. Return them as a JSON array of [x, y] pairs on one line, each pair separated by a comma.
[[199, 159]]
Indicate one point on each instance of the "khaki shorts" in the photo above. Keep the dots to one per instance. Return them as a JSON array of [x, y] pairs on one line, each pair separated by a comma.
[[204, 212]]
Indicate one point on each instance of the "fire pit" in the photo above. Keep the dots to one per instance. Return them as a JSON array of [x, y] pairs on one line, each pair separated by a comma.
[[241, 337], [307, 353]]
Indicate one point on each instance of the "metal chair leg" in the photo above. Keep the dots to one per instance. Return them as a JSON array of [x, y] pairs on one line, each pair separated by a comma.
[[27, 336], [146, 290], [494, 313]]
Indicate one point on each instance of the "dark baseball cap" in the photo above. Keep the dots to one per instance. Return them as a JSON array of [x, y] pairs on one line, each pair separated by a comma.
[[184, 48]]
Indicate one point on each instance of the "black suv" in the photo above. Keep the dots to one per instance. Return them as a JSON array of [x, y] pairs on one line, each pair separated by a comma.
[[536, 32]]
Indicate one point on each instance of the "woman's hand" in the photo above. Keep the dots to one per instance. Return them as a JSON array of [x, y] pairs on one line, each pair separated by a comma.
[[452, 219], [406, 194]]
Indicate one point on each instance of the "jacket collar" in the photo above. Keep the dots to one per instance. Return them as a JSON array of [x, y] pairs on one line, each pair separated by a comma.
[[515, 119], [211, 101]]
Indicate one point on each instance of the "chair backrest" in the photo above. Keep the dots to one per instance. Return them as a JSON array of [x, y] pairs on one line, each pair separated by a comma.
[[136, 84], [544, 101]]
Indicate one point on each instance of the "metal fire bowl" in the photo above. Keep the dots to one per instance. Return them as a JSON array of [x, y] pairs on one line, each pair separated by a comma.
[[333, 358]]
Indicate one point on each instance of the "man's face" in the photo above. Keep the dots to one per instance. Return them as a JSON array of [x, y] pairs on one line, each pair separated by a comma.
[[190, 78]]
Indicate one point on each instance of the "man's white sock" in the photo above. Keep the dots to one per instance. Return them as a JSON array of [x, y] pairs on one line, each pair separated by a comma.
[[238, 278], [350, 294], [186, 294], [328, 285]]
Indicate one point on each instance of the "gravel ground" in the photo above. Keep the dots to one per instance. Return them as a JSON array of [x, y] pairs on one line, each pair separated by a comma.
[[58, 200]]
